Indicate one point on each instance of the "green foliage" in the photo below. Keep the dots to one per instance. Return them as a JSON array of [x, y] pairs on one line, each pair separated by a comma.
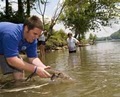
[[57, 39], [82, 15], [84, 41], [8, 14], [15, 18], [92, 38], [115, 35], [103, 38]]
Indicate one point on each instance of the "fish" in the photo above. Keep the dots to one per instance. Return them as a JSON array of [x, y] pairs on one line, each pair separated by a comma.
[[57, 74]]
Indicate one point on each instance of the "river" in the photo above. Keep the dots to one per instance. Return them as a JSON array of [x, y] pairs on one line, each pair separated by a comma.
[[95, 68]]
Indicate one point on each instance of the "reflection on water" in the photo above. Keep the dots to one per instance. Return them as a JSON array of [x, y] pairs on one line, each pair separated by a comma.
[[95, 68], [74, 60]]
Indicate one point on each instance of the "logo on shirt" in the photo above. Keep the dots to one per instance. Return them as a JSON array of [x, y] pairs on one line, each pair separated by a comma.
[[23, 48]]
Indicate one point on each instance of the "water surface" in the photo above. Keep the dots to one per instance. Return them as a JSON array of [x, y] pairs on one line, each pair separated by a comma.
[[95, 68]]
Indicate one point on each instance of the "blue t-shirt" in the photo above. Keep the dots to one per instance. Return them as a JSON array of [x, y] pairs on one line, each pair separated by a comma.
[[12, 41]]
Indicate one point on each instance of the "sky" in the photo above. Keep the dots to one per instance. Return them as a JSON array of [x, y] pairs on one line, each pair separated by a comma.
[[50, 9], [107, 30], [51, 5]]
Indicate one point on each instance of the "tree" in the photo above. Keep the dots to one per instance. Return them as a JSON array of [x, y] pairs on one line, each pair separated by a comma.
[[42, 4], [92, 39], [24, 8], [82, 15], [8, 10]]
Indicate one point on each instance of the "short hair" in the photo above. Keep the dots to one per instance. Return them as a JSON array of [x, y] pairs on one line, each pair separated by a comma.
[[33, 22], [69, 33]]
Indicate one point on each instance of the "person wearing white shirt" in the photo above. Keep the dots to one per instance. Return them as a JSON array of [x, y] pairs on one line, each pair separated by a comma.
[[72, 42]]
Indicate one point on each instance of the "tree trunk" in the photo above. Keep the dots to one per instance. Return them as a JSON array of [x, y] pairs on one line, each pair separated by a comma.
[[28, 8], [20, 8], [7, 9]]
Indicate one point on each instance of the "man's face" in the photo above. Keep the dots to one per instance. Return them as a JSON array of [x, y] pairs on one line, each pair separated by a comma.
[[31, 35]]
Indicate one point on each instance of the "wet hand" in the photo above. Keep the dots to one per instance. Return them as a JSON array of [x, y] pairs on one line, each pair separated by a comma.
[[43, 73], [47, 67]]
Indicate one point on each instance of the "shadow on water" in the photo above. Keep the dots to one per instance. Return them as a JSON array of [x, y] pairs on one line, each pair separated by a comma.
[[96, 70]]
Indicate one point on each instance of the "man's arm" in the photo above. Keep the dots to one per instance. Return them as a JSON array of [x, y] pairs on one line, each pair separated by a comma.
[[37, 62], [76, 41], [22, 65]]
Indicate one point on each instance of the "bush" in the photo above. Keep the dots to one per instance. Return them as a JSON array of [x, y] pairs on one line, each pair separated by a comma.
[[57, 39]]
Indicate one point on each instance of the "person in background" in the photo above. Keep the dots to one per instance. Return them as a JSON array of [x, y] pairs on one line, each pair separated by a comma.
[[41, 46], [72, 42], [15, 38]]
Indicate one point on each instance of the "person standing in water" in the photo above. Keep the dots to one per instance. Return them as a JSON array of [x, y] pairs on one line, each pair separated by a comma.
[[41, 46], [72, 42]]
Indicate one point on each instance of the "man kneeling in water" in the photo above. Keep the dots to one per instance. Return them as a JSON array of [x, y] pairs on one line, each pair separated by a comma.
[[15, 38]]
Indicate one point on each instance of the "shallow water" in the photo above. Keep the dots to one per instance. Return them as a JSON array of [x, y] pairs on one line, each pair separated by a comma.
[[96, 70]]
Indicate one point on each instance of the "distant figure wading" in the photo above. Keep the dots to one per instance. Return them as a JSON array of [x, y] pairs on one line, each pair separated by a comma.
[[72, 42]]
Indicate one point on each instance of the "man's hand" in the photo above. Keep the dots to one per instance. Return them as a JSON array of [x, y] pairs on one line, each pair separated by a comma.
[[42, 72]]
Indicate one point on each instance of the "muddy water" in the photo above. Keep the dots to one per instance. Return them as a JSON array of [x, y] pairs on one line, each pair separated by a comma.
[[96, 70]]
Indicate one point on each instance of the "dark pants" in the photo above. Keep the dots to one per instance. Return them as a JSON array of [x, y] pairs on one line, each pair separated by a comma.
[[41, 43], [72, 51], [6, 68]]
